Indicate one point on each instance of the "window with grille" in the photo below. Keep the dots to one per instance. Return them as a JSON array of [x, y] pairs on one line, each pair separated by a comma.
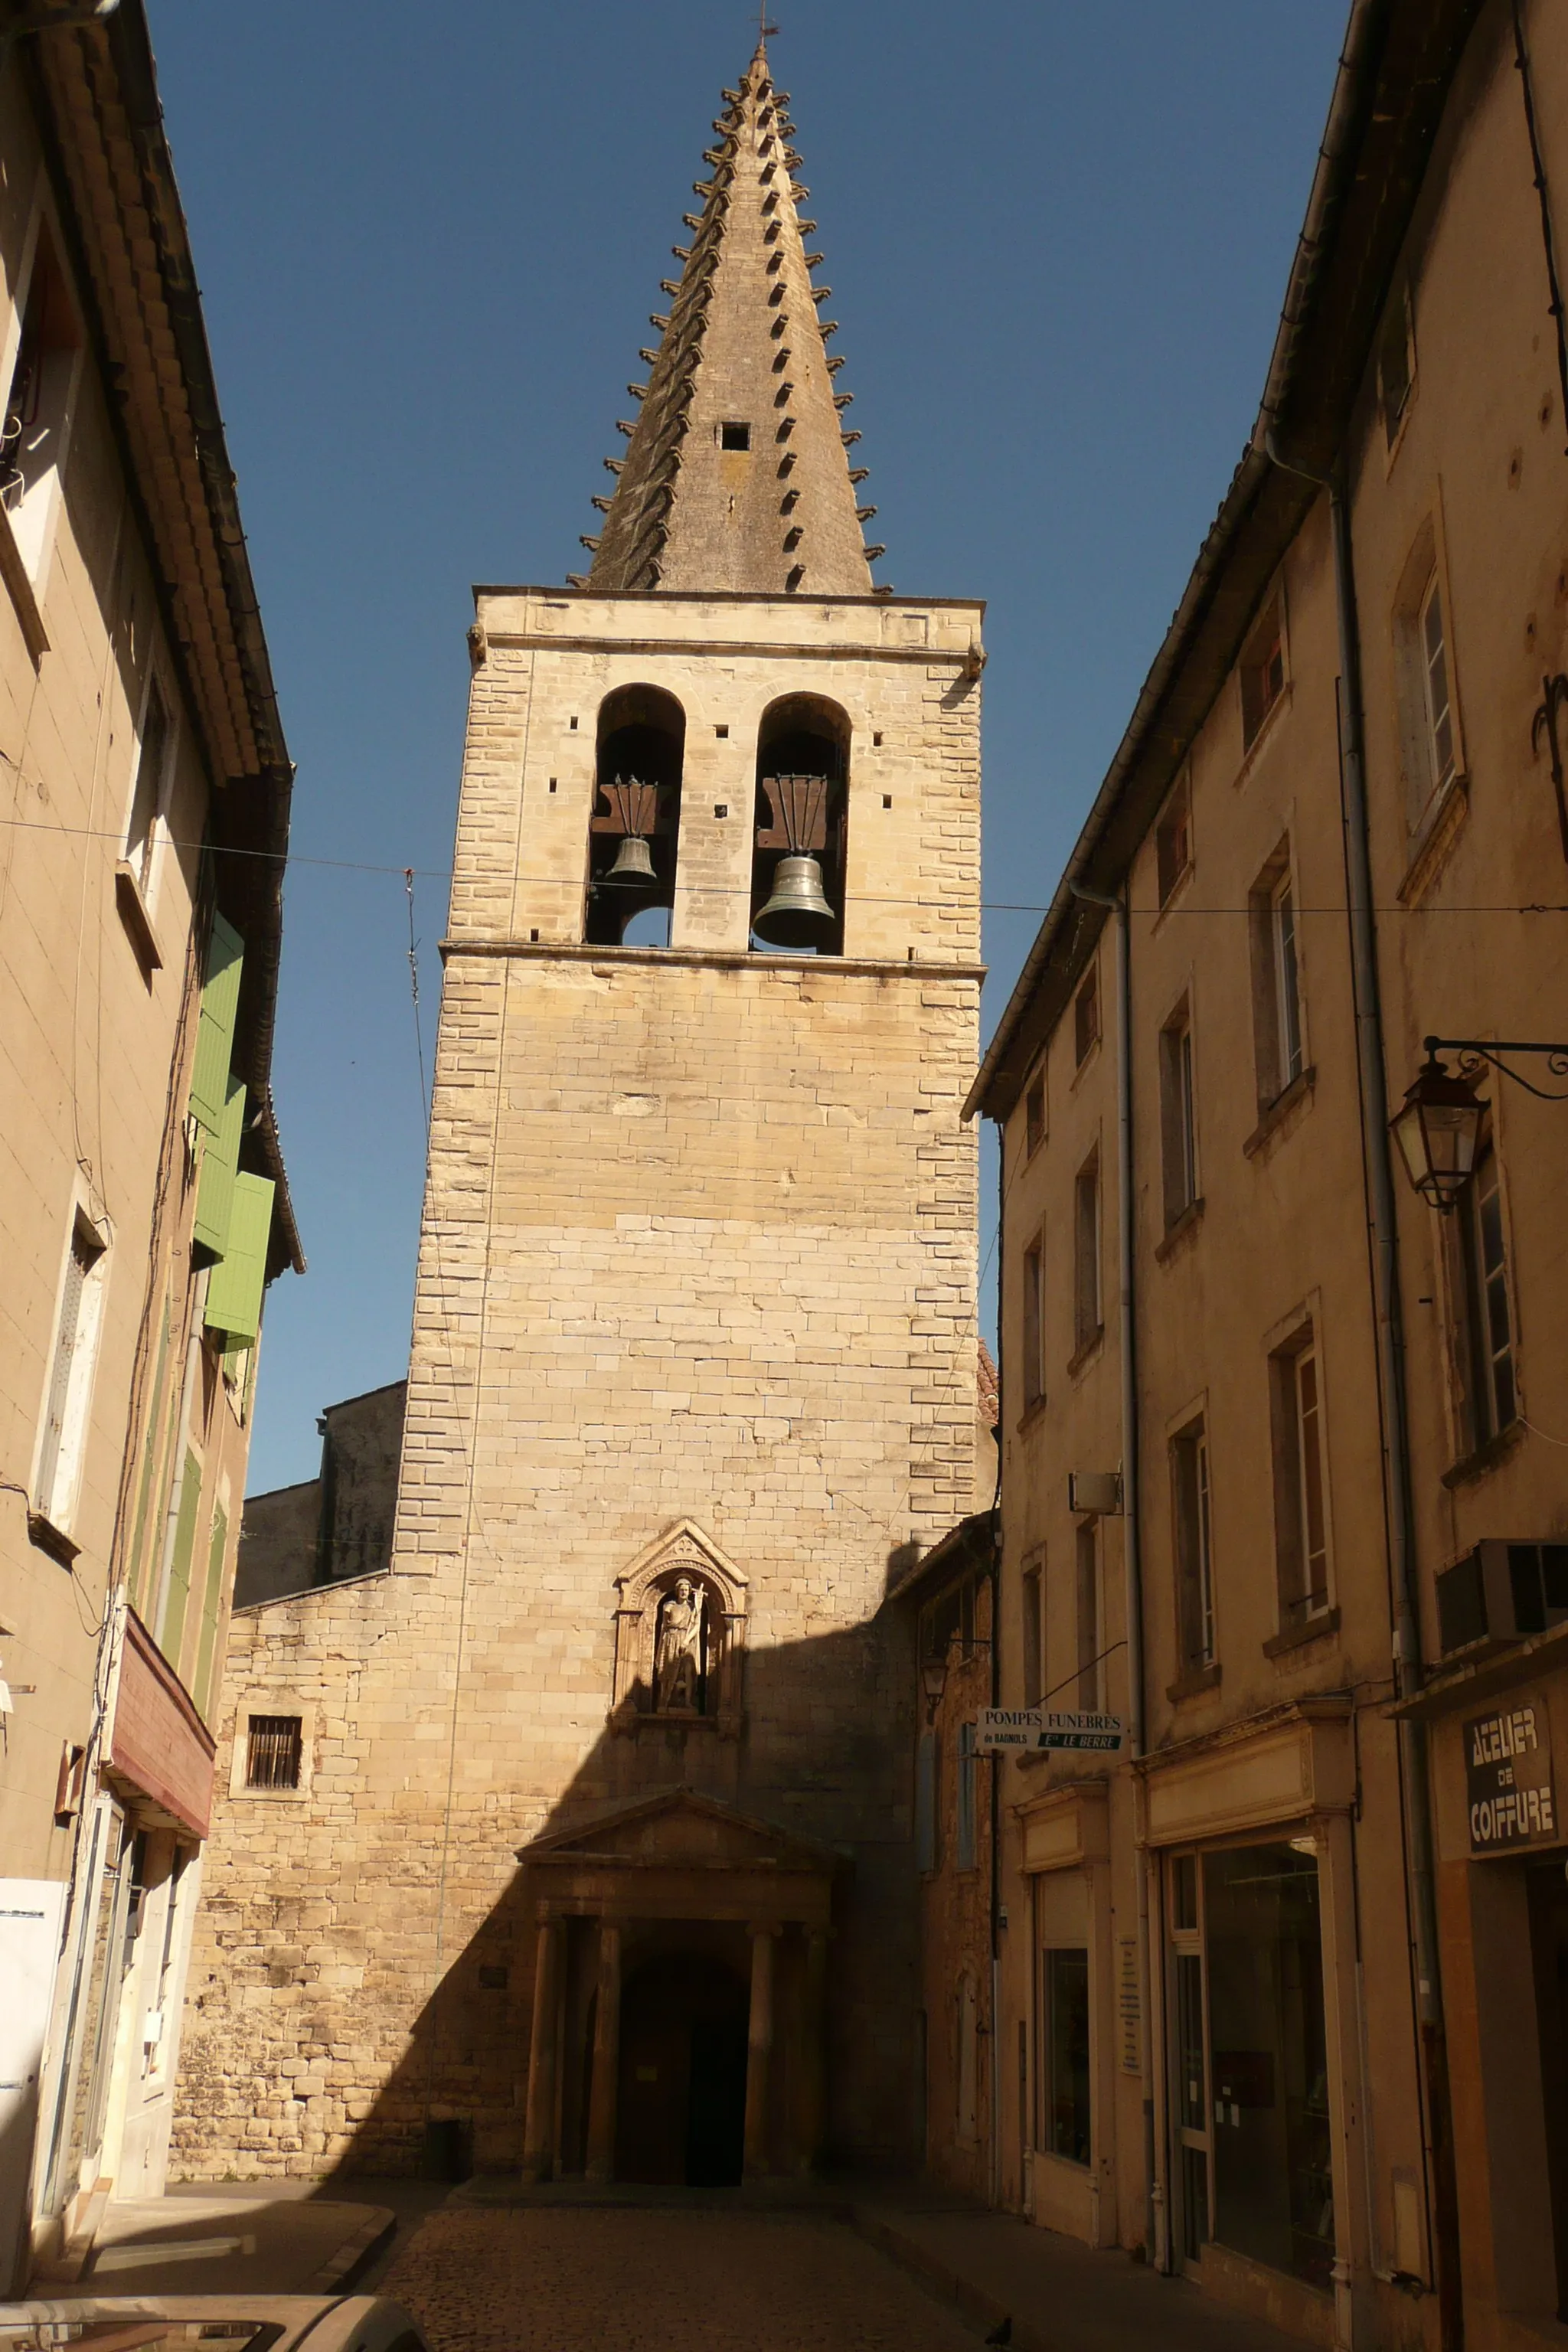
[[1065, 2002], [275, 1751]]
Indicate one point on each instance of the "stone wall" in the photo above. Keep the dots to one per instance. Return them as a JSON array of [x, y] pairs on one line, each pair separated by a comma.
[[698, 1244]]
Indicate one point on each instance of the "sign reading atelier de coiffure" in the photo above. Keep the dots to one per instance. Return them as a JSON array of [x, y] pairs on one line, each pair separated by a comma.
[[1508, 1767]]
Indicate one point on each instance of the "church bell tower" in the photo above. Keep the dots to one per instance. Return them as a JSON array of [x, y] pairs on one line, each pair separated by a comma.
[[615, 1767], [694, 1355]]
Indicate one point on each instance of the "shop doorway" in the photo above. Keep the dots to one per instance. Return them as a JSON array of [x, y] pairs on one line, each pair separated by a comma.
[[1548, 1885], [682, 2108], [1249, 2058]]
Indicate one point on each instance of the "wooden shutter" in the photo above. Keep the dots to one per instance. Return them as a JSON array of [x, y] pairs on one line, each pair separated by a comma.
[[211, 1609], [214, 1033], [238, 1281], [220, 1166], [179, 1591]]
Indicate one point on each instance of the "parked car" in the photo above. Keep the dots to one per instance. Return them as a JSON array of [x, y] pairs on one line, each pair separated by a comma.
[[193, 2323]]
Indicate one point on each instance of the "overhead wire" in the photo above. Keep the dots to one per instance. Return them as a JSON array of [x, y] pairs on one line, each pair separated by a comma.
[[294, 857]]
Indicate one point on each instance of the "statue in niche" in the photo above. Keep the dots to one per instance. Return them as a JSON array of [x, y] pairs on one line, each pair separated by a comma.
[[677, 1651]]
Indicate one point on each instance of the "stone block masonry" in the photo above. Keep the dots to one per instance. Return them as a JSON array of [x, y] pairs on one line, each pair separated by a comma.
[[699, 1244]]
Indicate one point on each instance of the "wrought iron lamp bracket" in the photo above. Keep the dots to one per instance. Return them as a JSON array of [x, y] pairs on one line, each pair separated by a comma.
[[1477, 1054]]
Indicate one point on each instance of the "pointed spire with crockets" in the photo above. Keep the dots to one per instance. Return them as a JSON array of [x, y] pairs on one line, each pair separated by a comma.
[[736, 476]]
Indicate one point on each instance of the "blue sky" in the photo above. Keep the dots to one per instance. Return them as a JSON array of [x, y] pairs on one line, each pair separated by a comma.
[[428, 241]]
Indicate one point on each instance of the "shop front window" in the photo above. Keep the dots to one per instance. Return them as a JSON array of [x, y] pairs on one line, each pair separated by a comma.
[[1273, 2193], [1066, 2003]]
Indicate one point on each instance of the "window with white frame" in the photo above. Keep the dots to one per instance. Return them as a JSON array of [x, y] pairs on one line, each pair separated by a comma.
[[1087, 1561], [1396, 362], [1482, 1319], [1430, 736], [1173, 840], [63, 1436], [35, 420], [1262, 671], [1034, 1314], [149, 796], [1194, 1554], [1088, 1311], [1438, 700], [1178, 1118], [1300, 1483], [1033, 1644], [1278, 1028]]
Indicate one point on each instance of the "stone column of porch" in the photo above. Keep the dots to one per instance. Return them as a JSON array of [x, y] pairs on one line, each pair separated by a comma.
[[606, 2084], [759, 2050], [539, 2150]]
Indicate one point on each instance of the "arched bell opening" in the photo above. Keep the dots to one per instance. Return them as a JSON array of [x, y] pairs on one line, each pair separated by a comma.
[[633, 834], [802, 824]]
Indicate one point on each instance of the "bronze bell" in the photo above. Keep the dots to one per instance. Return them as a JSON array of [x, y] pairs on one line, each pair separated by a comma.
[[798, 914], [633, 867]]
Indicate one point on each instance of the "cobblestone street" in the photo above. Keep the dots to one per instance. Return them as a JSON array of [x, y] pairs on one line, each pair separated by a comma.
[[627, 2281]]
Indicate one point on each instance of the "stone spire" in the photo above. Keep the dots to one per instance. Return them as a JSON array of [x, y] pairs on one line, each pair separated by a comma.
[[736, 476]]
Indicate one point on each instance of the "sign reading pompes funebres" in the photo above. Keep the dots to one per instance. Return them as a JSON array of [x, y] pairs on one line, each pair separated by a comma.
[[1028, 1729]]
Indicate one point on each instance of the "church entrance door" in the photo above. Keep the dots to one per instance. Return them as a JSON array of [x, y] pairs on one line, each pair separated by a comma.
[[682, 2103]]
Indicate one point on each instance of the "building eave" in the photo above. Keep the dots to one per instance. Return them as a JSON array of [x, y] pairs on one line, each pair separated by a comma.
[[94, 94]]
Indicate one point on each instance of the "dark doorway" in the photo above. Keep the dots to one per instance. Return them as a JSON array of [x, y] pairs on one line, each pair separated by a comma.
[[1549, 1944], [682, 2108]]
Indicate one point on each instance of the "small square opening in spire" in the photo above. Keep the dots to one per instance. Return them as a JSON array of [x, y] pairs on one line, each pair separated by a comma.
[[734, 435]]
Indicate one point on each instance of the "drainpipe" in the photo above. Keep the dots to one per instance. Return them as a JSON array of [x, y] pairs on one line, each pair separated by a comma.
[[1155, 2252], [1443, 2207], [997, 1761]]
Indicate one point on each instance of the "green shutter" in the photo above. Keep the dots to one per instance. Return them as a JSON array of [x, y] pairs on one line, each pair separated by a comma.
[[148, 1462], [211, 1609], [220, 1165], [214, 1031], [237, 1282], [179, 1592]]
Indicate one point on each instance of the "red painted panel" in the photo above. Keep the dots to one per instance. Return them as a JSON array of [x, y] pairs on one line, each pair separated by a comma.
[[159, 1741]]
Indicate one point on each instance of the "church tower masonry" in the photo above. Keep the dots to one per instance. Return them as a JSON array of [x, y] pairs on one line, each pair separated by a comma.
[[601, 1856]]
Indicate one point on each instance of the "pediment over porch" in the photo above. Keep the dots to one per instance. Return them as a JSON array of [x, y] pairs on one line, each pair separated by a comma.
[[682, 1856]]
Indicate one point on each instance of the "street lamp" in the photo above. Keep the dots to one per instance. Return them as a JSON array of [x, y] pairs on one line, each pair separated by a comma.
[[1437, 1127], [934, 1681], [1439, 1123]]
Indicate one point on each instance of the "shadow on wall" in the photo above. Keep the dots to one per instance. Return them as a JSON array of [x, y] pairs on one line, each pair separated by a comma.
[[821, 1768]]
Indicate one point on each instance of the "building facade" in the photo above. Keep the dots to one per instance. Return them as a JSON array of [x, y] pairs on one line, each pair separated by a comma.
[[143, 823], [338, 1523], [591, 1849], [1282, 1474]]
